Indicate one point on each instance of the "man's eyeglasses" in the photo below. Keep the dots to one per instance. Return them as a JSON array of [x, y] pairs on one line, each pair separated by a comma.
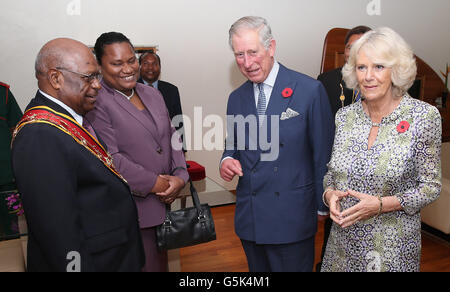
[[89, 78]]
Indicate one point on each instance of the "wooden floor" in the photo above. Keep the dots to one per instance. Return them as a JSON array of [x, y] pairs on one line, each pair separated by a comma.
[[226, 254]]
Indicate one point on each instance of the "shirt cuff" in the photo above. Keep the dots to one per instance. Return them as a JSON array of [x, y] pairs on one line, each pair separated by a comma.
[[225, 158]]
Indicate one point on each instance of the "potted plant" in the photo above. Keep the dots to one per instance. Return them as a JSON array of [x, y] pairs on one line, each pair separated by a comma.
[[9, 215], [445, 92]]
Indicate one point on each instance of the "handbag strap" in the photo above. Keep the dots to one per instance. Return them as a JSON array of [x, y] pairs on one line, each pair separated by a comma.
[[194, 194]]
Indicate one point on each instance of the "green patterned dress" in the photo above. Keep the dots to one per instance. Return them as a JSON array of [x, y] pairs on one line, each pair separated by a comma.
[[404, 161]]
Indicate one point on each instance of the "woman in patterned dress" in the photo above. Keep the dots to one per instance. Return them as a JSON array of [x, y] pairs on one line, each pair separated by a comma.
[[385, 165]]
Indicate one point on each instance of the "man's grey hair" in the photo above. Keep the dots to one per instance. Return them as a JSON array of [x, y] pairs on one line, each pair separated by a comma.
[[254, 23], [39, 66], [48, 58]]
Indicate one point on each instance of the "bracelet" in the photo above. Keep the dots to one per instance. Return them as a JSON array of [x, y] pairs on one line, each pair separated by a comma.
[[381, 205], [323, 196]]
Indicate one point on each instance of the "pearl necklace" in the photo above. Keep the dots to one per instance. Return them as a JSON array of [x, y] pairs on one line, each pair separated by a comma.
[[128, 97]]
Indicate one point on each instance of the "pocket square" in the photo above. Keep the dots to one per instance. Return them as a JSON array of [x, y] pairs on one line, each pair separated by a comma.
[[289, 113]]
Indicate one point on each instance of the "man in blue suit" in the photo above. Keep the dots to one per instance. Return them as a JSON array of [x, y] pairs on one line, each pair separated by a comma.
[[280, 187]]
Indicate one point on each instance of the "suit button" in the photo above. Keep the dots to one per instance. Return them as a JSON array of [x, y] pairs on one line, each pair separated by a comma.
[[254, 171], [159, 150], [275, 169], [254, 193], [277, 194], [281, 144]]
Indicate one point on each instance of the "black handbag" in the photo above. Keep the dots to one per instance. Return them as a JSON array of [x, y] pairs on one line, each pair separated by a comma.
[[187, 226]]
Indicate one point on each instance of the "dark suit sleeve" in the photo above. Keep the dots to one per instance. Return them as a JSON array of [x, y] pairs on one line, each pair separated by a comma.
[[175, 110], [46, 174], [176, 105], [331, 81], [321, 133], [231, 139]]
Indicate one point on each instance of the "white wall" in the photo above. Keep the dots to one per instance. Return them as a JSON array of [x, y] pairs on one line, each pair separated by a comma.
[[192, 37]]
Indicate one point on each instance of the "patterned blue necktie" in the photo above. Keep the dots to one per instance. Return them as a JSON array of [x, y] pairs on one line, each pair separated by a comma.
[[261, 100]]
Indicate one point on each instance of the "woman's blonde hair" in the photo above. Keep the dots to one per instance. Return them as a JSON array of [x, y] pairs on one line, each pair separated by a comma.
[[383, 46]]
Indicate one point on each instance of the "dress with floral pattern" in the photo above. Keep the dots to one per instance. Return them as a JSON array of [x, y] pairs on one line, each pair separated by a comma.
[[402, 162]]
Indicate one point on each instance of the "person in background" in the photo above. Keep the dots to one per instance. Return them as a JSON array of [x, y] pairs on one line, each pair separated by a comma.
[[150, 71], [385, 166], [133, 120], [80, 213], [339, 96], [332, 80], [278, 197], [10, 114]]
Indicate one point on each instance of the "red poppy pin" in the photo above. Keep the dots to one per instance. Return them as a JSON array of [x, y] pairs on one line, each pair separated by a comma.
[[402, 127], [287, 92]]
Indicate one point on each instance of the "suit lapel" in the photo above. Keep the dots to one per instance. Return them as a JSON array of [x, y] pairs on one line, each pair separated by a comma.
[[137, 114], [248, 103], [249, 99], [162, 87], [152, 108], [278, 103]]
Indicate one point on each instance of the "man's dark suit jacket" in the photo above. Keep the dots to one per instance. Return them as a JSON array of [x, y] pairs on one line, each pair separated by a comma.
[[72, 202], [171, 97], [277, 201], [330, 81]]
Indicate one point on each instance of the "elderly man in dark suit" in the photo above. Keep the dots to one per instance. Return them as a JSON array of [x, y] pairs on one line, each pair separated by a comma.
[[150, 70], [80, 212], [279, 194]]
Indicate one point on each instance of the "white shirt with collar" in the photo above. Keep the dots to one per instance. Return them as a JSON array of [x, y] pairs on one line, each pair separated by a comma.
[[268, 84], [76, 116], [154, 84]]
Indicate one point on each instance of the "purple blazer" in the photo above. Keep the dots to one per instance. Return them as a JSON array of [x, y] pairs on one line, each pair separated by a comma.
[[140, 144]]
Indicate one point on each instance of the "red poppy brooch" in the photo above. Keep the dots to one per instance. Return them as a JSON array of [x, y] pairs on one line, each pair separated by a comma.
[[287, 92], [402, 127]]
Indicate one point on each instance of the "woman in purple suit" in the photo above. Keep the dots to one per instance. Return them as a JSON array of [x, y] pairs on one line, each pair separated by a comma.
[[132, 119]]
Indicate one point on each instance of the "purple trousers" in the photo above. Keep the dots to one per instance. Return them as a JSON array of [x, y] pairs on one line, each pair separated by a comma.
[[155, 261]]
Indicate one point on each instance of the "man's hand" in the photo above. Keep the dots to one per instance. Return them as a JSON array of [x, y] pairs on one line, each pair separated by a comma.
[[230, 167], [176, 184]]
